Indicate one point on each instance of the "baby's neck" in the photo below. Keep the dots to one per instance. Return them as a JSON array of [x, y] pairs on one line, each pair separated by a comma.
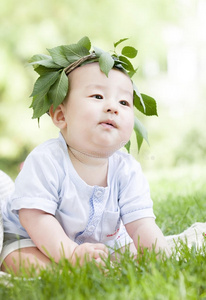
[[92, 169], [87, 158]]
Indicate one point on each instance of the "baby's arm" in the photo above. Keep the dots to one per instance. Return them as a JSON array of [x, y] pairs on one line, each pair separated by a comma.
[[50, 238], [145, 233]]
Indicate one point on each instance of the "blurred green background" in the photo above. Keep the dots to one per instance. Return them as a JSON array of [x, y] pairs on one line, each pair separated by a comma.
[[171, 39]]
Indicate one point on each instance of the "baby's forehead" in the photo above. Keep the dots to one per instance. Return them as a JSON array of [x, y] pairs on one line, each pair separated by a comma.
[[91, 74], [85, 69]]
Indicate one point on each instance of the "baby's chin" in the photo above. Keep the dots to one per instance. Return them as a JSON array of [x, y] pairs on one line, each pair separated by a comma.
[[97, 150], [108, 150]]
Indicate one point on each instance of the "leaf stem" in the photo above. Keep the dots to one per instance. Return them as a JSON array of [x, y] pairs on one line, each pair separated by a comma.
[[77, 63]]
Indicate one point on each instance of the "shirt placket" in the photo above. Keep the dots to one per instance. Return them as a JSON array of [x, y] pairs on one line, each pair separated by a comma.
[[95, 215]]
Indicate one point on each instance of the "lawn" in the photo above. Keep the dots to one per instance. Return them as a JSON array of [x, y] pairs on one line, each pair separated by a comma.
[[179, 200]]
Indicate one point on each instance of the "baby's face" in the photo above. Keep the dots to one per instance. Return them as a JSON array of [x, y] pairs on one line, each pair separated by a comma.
[[98, 111]]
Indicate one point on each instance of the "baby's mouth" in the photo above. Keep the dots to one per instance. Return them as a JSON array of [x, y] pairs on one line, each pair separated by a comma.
[[109, 124]]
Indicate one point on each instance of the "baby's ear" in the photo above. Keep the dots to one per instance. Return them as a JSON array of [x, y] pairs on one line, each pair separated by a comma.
[[58, 116]]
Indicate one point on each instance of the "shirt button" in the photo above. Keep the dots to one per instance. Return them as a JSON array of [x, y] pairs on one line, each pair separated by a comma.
[[98, 193], [91, 227]]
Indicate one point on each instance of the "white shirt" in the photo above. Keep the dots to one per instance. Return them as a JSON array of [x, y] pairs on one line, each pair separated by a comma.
[[6, 188], [49, 182]]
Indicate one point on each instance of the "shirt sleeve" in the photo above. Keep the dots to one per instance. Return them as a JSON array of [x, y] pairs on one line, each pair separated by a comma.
[[37, 185], [134, 196]]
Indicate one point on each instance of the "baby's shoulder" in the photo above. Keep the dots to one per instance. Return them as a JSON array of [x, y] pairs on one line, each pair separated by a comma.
[[124, 162], [123, 158], [53, 150], [50, 147]]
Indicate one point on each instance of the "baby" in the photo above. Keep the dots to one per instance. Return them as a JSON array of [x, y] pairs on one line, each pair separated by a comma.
[[78, 196]]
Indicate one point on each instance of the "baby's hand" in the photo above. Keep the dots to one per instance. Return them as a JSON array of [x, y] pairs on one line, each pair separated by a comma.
[[88, 252]]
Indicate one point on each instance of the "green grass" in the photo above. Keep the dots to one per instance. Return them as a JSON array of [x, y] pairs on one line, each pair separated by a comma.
[[177, 204], [179, 197], [149, 278]]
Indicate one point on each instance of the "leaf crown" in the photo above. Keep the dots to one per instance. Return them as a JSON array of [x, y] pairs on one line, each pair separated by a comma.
[[52, 85]]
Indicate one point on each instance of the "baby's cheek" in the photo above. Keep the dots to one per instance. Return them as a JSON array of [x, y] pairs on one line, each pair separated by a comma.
[[129, 126]]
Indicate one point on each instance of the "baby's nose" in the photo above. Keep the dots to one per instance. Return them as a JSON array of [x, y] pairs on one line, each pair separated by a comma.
[[112, 110], [112, 107]]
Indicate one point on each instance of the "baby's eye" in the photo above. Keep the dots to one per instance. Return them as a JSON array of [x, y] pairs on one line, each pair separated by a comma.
[[97, 96], [124, 102]]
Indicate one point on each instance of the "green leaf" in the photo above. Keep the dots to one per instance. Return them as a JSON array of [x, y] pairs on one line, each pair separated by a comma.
[[141, 132], [59, 90], [138, 98], [106, 63], [126, 63], [127, 146], [150, 105], [48, 63], [130, 52], [58, 56], [74, 52], [44, 82], [131, 73], [122, 62], [41, 105], [98, 51], [41, 70], [119, 42], [139, 140], [38, 57], [85, 42]]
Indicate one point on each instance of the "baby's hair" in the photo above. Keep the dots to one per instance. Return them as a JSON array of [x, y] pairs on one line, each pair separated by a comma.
[[51, 87]]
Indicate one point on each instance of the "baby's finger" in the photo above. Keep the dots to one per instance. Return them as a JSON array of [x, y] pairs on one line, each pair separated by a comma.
[[101, 247], [100, 254], [99, 261]]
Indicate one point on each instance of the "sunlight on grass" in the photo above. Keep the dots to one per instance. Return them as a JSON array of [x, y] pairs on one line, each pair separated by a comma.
[[147, 278], [179, 196]]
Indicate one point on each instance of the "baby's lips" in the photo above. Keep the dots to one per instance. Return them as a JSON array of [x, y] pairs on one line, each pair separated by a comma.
[[109, 123]]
